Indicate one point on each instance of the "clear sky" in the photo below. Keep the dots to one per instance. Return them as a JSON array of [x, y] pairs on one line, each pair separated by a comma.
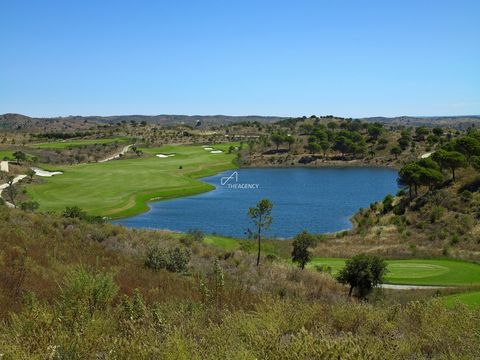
[[349, 58]]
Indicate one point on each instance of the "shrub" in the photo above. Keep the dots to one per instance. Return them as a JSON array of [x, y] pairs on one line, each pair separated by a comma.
[[363, 273], [192, 236], [30, 206], [85, 292], [173, 260], [74, 212], [387, 203], [323, 268]]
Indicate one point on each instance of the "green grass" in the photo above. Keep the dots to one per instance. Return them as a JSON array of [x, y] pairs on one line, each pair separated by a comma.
[[222, 242], [420, 272], [123, 187], [471, 299], [77, 143], [4, 154]]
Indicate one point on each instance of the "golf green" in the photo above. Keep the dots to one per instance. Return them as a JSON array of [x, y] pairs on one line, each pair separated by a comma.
[[419, 271], [123, 187]]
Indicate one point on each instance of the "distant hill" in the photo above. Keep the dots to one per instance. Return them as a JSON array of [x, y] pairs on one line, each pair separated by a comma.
[[18, 122], [460, 122]]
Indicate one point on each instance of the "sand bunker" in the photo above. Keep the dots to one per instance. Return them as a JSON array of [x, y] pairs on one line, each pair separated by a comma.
[[208, 148], [216, 152], [45, 173], [164, 155]]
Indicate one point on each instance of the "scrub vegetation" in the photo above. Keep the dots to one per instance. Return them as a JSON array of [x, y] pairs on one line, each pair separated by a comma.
[[75, 286]]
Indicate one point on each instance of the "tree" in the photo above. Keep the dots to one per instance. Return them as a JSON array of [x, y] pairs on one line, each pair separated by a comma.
[[421, 132], [403, 143], [429, 177], [438, 131], [396, 151], [409, 176], [261, 215], [290, 140], [19, 156], [30, 174], [313, 147], [277, 139], [468, 145], [450, 159], [362, 273], [375, 130], [301, 244], [324, 145]]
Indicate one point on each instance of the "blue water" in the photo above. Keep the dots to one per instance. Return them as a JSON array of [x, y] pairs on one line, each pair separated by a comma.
[[317, 200]]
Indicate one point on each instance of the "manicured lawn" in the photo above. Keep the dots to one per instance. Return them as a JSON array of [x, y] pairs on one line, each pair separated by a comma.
[[420, 272], [472, 299], [76, 143], [4, 154], [225, 243], [123, 187]]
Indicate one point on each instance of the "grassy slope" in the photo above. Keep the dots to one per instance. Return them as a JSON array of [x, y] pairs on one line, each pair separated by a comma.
[[4, 154], [471, 299], [420, 272], [75, 143], [123, 187]]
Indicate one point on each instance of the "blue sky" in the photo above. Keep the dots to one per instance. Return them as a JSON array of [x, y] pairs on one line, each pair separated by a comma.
[[349, 58]]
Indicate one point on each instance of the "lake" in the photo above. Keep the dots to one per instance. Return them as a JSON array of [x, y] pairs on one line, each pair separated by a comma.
[[318, 200]]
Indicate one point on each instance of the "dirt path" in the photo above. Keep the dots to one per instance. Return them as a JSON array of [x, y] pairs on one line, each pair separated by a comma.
[[4, 186], [412, 287], [116, 156]]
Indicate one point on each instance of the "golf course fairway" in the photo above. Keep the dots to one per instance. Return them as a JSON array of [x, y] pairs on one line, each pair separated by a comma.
[[419, 271], [471, 299], [122, 188], [77, 143]]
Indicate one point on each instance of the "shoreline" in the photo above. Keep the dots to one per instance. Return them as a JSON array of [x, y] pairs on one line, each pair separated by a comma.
[[213, 187]]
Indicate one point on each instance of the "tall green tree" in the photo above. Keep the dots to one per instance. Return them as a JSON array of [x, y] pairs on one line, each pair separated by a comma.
[[409, 175], [450, 159], [468, 145], [290, 140], [301, 245], [261, 215], [19, 156], [277, 139]]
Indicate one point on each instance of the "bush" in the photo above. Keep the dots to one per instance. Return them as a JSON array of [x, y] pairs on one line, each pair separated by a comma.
[[74, 212], [29, 206], [324, 268], [192, 236], [387, 203], [362, 273], [85, 292], [173, 260]]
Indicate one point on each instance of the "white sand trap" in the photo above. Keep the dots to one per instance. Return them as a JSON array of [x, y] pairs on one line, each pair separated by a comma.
[[426, 155], [40, 172], [216, 152], [208, 148], [164, 155]]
